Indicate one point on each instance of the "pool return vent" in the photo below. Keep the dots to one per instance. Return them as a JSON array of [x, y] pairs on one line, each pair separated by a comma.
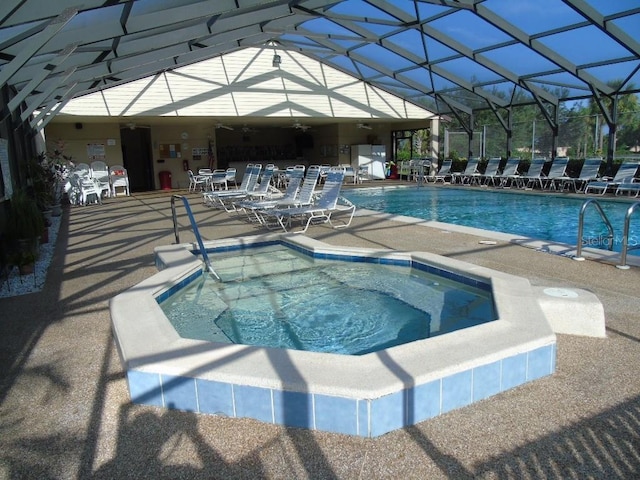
[[625, 234], [196, 231]]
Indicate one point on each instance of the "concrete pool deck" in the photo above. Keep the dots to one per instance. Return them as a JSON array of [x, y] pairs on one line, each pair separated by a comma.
[[65, 410]]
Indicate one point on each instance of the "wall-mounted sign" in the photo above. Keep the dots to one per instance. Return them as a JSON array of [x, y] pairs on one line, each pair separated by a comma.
[[170, 150], [96, 151]]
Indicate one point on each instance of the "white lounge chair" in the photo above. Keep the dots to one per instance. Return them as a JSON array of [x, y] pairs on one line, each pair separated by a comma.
[[626, 174], [557, 173], [490, 171], [588, 173], [468, 174], [509, 175], [261, 189], [253, 207], [320, 211], [249, 181], [535, 174], [630, 189], [445, 174]]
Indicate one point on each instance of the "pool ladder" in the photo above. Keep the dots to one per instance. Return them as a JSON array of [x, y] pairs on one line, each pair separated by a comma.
[[625, 234], [194, 227]]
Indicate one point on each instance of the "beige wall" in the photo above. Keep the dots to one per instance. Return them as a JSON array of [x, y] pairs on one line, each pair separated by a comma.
[[331, 143], [76, 140]]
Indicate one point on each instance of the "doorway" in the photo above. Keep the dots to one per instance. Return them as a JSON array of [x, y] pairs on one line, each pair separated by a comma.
[[137, 158]]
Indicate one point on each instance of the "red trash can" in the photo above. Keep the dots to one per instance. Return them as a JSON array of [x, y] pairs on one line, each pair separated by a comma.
[[165, 180]]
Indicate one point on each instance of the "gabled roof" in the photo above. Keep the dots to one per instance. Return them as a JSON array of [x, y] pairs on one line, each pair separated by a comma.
[[443, 54], [246, 84]]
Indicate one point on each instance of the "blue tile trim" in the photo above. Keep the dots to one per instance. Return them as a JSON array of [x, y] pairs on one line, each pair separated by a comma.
[[456, 391], [540, 362], [424, 402], [234, 248], [335, 414], [145, 388], [215, 398], [179, 393], [253, 402], [178, 286], [364, 419], [514, 371], [388, 413], [486, 380], [294, 409]]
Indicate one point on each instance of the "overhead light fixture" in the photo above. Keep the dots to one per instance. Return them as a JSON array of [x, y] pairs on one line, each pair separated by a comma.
[[276, 60]]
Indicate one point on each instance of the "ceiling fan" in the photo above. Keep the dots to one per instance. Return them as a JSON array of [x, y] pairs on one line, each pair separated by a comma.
[[222, 125], [366, 126], [247, 129], [300, 126]]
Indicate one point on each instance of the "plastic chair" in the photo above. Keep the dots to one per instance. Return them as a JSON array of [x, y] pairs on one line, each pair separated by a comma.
[[218, 179], [196, 181], [119, 179], [100, 173], [231, 177]]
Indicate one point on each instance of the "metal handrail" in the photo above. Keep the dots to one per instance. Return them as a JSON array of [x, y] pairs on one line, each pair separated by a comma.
[[603, 216], [625, 237], [194, 227]]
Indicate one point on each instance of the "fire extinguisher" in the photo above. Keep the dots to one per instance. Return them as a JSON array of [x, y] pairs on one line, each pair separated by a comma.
[[185, 165]]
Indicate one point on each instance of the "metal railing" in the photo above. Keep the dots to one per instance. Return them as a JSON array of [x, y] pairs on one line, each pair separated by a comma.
[[603, 216], [610, 237], [625, 237], [194, 227]]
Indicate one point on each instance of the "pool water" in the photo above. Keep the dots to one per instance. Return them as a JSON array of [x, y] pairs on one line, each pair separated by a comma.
[[545, 217], [277, 297]]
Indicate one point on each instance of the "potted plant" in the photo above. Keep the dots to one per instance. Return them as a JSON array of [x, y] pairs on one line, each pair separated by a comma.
[[25, 224]]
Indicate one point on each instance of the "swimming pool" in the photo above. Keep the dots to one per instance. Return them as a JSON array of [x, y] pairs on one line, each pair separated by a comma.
[[546, 217], [274, 296]]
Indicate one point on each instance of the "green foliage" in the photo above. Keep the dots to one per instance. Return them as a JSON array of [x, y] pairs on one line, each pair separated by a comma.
[[25, 219]]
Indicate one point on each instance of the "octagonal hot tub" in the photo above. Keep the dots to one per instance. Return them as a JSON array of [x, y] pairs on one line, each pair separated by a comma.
[[376, 390]]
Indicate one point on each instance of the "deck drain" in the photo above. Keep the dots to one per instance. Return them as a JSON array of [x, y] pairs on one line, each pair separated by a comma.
[[560, 292]]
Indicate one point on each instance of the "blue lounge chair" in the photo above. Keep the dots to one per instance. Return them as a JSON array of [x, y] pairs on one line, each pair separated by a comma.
[[445, 174], [509, 175], [625, 174], [588, 173], [491, 169], [630, 189], [470, 169], [535, 174], [320, 211], [557, 173]]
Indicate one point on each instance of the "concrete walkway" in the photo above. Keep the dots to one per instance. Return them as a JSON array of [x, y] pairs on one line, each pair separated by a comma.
[[65, 411]]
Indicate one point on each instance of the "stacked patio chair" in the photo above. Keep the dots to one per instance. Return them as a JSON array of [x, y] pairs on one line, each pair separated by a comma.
[[100, 173]]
